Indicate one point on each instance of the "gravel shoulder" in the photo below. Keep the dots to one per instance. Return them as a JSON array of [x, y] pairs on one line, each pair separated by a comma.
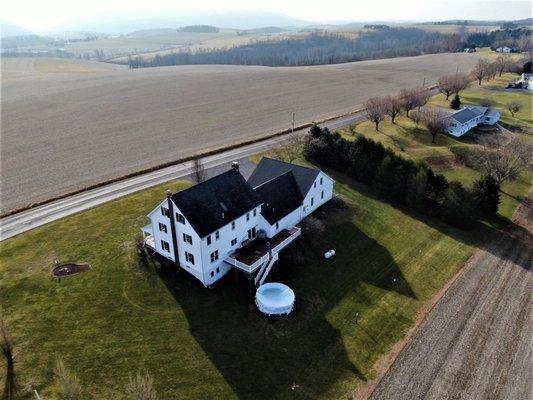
[[476, 342]]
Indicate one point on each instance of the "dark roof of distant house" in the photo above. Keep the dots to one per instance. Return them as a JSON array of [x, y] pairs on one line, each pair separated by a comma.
[[464, 115], [216, 202], [268, 169], [280, 196]]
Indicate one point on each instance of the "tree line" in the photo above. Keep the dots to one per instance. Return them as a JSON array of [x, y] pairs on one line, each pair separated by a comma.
[[402, 181], [315, 49]]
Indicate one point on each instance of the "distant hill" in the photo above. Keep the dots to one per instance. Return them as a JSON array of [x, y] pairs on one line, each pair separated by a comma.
[[123, 24], [151, 32], [9, 29], [199, 29]]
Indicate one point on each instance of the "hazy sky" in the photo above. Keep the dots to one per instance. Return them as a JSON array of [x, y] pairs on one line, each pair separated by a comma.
[[39, 15]]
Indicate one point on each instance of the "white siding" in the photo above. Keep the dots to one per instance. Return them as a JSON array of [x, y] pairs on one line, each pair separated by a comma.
[[314, 194], [194, 248], [157, 217], [223, 245]]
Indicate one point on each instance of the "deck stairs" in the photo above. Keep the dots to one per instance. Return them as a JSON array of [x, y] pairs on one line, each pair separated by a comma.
[[265, 269]]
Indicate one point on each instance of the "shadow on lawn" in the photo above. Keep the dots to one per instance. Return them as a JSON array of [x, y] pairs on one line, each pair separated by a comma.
[[482, 235], [302, 355]]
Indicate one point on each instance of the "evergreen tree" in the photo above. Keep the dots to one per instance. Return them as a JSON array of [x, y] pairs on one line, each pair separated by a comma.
[[416, 189], [455, 104], [459, 207], [487, 194]]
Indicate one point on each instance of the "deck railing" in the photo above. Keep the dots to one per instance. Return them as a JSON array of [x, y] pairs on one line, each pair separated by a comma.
[[251, 268]]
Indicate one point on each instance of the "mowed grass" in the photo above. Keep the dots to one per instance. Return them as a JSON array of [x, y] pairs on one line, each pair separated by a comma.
[[198, 343], [495, 91], [412, 140]]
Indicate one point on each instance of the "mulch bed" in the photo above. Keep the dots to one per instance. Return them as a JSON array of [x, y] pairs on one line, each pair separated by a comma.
[[70, 269]]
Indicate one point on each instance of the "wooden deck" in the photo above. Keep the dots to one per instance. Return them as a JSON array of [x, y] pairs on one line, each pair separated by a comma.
[[259, 247]]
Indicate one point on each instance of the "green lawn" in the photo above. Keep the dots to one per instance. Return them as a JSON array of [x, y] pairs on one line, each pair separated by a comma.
[[200, 343], [413, 141], [494, 90]]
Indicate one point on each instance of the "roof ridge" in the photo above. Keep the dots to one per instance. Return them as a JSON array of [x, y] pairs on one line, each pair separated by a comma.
[[273, 179], [288, 163], [207, 180]]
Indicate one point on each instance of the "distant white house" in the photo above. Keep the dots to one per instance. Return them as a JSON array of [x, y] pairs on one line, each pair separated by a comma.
[[504, 49], [526, 81], [462, 121], [470, 50], [227, 222]]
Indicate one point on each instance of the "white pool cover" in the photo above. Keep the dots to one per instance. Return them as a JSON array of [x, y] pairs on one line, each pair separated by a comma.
[[274, 298]]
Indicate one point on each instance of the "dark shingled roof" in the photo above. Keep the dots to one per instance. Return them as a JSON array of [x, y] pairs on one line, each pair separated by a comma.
[[280, 196], [464, 115], [216, 202], [268, 169]]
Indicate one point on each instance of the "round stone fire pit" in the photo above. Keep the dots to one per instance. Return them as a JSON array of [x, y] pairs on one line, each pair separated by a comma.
[[70, 269]]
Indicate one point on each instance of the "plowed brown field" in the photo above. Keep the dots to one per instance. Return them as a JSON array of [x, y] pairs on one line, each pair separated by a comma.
[[67, 124]]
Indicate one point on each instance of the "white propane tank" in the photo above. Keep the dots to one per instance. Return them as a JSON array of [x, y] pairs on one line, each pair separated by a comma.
[[329, 253]]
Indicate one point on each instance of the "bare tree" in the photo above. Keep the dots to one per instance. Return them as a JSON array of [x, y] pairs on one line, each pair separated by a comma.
[[393, 107], [502, 63], [409, 99], [6, 344], [502, 158], [68, 382], [446, 85], [416, 116], [422, 97], [141, 387], [480, 70], [290, 149], [375, 110], [514, 107], [460, 83], [435, 122], [198, 171]]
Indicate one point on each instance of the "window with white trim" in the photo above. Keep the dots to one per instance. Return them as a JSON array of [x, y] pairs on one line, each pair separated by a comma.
[[180, 218], [277, 225], [234, 241], [162, 227], [212, 273], [214, 256], [164, 211], [217, 235], [247, 216], [208, 240], [189, 258], [314, 184], [322, 194], [187, 238], [312, 201], [255, 212], [233, 226], [321, 180], [218, 270], [165, 246]]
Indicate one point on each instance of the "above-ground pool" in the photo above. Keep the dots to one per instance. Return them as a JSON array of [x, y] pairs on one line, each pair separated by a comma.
[[274, 298]]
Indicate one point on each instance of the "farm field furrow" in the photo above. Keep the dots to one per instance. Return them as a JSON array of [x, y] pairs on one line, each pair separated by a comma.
[[65, 128]]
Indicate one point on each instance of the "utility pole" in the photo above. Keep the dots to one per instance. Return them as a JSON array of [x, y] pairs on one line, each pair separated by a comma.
[[292, 129], [457, 71], [424, 82]]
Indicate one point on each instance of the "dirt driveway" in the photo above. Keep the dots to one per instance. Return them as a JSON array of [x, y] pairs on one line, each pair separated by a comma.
[[477, 343]]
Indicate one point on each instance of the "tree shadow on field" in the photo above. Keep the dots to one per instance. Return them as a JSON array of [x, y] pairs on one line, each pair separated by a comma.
[[297, 356]]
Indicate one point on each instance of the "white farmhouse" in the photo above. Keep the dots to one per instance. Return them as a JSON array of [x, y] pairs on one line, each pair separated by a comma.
[[227, 222], [504, 49], [462, 121]]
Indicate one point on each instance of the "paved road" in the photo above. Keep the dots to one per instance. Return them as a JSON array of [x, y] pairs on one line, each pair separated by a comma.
[[21, 222], [477, 342]]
